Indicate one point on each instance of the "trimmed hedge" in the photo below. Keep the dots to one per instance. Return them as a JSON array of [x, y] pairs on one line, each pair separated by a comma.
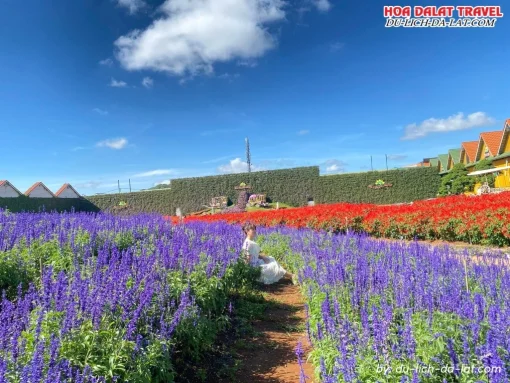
[[290, 186], [407, 185], [24, 203], [158, 201]]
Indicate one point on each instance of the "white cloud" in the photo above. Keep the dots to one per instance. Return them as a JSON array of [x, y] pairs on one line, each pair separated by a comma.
[[334, 166], [113, 143], [100, 111], [165, 182], [78, 148], [237, 166], [153, 173], [303, 132], [132, 5], [106, 62], [322, 5], [192, 36], [148, 82], [336, 46], [229, 77], [247, 63], [117, 84], [450, 124]]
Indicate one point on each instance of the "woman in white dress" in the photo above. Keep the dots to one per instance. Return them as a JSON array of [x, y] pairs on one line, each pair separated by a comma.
[[271, 271]]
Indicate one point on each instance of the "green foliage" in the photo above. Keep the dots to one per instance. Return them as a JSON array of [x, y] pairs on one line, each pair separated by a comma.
[[161, 201], [292, 186], [104, 349], [24, 203], [456, 181], [484, 165], [407, 185]]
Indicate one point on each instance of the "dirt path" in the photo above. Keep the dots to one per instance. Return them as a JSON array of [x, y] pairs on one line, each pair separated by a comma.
[[271, 357]]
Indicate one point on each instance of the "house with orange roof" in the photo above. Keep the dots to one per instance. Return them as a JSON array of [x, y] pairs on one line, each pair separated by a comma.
[[468, 152], [39, 190], [488, 145], [502, 159], [7, 190], [67, 191]]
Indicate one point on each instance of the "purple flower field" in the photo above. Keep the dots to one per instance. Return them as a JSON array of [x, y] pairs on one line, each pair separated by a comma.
[[397, 312], [98, 298]]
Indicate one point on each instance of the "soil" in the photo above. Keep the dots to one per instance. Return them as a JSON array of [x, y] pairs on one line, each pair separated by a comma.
[[271, 357]]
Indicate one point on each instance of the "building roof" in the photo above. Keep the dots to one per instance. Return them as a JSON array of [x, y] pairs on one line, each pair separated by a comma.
[[7, 183], [455, 155], [492, 140], [501, 156], [64, 187], [470, 148], [504, 137], [443, 159], [434, 161], [34, 186]]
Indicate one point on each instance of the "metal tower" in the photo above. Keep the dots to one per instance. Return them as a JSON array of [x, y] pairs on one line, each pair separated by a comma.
[[248, 155]]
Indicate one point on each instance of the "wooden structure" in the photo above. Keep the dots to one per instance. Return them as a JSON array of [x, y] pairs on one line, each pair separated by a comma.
[[257, 199], [219, 202]]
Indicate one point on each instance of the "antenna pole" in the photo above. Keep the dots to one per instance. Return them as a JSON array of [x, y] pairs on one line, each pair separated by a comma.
[[248, 154]]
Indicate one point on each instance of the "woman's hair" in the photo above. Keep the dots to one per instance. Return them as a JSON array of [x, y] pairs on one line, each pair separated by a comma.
[[247, 227]]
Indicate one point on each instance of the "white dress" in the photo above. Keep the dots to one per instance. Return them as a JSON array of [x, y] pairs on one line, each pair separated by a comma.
[[269, 272]]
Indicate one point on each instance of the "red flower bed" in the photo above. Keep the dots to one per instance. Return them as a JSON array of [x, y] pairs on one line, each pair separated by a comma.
[[478, 220]]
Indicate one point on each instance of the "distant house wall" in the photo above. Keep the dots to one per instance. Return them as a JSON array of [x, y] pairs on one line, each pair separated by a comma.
[[40, 192], [484, 151], [506, 147], [7, 191], [68, 193]]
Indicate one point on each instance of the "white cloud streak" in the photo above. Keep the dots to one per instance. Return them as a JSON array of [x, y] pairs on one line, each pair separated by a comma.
[[117, 84], [154, 173], [100, 111], [113, 143], [322, 5], [236, 166], [334, 166], [106, 62], [132, 6], [148, 82], [336, 46], [442, 125]]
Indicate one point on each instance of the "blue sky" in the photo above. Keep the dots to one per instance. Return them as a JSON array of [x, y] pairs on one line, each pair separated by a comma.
[[95, 91]]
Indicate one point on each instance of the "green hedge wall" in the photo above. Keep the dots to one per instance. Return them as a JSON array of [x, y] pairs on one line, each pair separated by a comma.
[[23, 203], [291, 186], [156, 201], [407, 185]]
